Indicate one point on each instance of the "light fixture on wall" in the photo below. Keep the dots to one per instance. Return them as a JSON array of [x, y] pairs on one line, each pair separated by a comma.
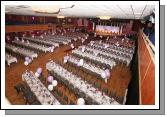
[[104, 17]]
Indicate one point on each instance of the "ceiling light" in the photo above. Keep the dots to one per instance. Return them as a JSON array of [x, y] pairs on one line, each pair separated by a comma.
[[104, 17], [60, 16], [7, 11], [152, 19], [45, 8]]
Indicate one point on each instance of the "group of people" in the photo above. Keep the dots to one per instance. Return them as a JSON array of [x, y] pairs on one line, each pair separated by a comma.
[[149, 31]]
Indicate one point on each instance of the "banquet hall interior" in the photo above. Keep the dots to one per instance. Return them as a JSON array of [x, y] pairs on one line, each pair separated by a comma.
[[74, 54]]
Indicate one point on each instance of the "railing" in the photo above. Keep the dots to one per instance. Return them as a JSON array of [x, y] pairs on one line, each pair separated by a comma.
[[149, 43]]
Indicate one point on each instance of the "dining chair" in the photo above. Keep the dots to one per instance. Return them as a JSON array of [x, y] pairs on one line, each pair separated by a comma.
[[88, 101], [36, 102], [29, 96], [97, 85], [112, 94], [66, 83], [119, 99], [95, 103], [82, 95], [105, 90], [60, 93], [62, 101], [66, 99], [76, 91], [19, 87], [71, 102]]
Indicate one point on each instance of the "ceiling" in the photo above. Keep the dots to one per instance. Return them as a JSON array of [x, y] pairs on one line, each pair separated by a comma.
[[88, 11]]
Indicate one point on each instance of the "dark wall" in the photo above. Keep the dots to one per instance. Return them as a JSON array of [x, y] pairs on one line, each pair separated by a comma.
[[136, 25], [26, 19], [133, 88]]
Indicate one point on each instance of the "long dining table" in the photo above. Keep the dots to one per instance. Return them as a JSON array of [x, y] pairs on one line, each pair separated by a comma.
[[83, 86], [33, 45], [113, 48], [10, 59], [22, 51], [86, 65], [42, 41], [44, 96], [97, 50], [94, 56]]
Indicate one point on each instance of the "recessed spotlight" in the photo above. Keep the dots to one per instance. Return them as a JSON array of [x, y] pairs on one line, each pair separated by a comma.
[[104, 17], [60, 16], [6, 11]]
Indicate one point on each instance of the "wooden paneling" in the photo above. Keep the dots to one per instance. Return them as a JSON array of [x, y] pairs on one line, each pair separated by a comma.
[[148, 86], [29, 19], [144, 64], [23, 28], [136, 25], [146, 72]]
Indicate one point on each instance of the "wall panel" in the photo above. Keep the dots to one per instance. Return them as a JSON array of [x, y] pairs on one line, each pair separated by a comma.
[[146, 72], [23, 28]]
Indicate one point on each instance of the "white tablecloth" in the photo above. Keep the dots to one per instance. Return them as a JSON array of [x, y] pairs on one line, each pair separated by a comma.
[[10, 59], [92, 56], [109, 54], [22, 51], [33, 45], [42, 41], [37, 87], [86, 65], [77, 82]]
